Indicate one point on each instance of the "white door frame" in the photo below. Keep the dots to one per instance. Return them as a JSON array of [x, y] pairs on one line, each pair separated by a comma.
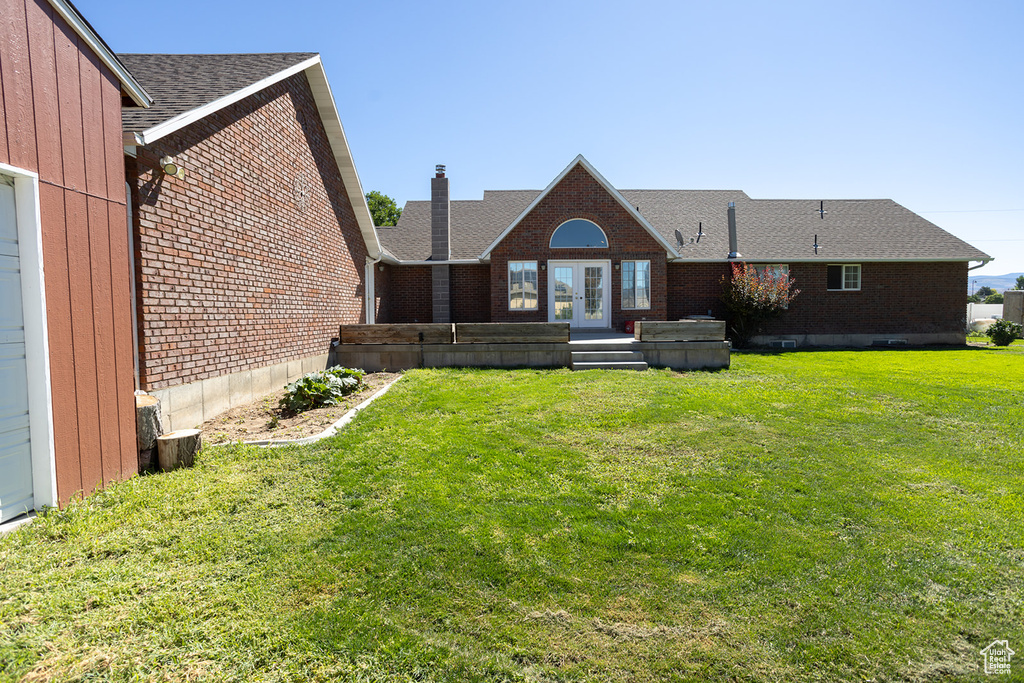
[[578, 265], [37, 345]]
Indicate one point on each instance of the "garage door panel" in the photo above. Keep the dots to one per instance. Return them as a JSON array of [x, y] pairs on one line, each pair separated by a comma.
[[15, 447], [16, 484]]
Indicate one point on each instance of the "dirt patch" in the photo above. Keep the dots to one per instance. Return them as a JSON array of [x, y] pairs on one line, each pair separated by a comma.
[[262, 419]]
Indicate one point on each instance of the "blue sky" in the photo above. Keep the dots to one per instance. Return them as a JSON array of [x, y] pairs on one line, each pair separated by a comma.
[[920, 102]]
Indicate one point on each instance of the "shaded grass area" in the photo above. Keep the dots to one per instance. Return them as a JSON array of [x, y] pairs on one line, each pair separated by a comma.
[[802, 516]]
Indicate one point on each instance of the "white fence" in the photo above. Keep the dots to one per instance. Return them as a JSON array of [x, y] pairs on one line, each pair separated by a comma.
[[984, 311]]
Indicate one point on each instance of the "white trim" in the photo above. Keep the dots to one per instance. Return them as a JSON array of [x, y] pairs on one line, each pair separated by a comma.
[[606, 290], [824, 261], [842, 272], [508, 285], [392, 261], [37, 346], [325, 104], [622, 294], [183, 119], [580, 160], [370, 290], [330, 118], [96, 44], [573, 220]]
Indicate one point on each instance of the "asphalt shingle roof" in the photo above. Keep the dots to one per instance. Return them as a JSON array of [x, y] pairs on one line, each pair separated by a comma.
[[768, 230], [181, 83]]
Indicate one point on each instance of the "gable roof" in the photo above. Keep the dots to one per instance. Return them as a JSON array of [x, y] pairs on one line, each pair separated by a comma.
[[187, 88], [768, 230], [616, 195], [87, 33]]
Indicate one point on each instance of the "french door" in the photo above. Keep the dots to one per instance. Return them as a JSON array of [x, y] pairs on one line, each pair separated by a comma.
[[579, 292]]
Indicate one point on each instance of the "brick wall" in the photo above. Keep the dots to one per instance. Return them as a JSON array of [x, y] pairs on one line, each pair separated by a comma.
[[894, 299], [255, 256], [695, 289], [578, 195], [471, 294], [408, 294]]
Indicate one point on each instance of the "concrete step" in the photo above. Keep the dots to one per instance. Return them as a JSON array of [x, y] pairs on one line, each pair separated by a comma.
[[608, 360], [603, 355], [610, 365]]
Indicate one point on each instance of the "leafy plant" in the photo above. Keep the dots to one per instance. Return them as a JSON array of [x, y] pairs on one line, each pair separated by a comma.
[[319, 389], [753, 298], [1003, 332]]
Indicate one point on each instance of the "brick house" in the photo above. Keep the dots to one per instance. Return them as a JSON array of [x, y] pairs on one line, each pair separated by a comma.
[[252, 234], [67, 411], [583, 251]]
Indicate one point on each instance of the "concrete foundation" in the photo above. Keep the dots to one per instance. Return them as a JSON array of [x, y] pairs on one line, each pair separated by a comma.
[[187, 406], [860, 340], [676, 355]]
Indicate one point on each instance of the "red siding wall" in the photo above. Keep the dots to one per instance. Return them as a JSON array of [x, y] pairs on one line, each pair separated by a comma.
[[62, 119], [233, 273], [578, 195]]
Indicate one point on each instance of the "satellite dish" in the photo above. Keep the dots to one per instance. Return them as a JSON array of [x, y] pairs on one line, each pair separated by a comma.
[[679, 237]]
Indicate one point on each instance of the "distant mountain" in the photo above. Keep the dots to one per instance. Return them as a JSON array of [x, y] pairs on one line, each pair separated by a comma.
[[1000, 283]]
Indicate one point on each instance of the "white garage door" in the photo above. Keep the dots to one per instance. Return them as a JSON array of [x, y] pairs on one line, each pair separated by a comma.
[[15, 450]]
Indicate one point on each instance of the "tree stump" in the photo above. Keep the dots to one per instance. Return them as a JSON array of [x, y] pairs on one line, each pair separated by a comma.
[[178, 448], [147, 429]]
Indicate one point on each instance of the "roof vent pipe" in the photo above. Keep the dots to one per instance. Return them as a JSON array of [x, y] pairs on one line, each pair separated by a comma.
[[733, 250]]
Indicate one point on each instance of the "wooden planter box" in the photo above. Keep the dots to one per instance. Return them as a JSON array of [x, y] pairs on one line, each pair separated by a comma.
[[679, 330], [511, 333], [401, 333]]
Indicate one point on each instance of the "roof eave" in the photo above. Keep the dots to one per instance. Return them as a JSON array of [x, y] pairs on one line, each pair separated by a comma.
[[324, 99], [154, 133], [80, 26], [328, 110]]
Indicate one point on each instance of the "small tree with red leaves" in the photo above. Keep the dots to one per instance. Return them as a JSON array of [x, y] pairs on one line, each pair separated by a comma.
[[753, 298]]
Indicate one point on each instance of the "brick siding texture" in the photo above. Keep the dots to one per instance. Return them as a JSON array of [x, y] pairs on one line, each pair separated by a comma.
[[894, 298], [408, 292], [471, 293], [696, 288], [234, 269], [578, 195]]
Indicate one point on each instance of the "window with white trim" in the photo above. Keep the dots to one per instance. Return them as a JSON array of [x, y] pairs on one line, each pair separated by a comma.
[[636, 284], [843, 277], [776, 269], [522, 285], [578, 233]]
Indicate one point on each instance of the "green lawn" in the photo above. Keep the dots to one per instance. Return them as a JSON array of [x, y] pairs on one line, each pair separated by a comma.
[[827, 516]]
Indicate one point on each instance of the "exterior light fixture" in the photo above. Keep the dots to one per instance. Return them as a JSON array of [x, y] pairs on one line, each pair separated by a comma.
[[171, 167]]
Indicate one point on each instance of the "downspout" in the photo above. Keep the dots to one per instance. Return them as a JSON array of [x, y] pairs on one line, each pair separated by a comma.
[[984, 262], [371, 289]]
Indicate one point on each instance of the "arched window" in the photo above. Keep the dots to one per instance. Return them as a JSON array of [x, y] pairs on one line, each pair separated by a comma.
[[578, 233]]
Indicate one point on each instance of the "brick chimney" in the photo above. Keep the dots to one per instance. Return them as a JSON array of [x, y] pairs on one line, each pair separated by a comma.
[[440, 246]]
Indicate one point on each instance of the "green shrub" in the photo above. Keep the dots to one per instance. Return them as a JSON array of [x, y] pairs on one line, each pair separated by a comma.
[[319, 389], [1003, 332]]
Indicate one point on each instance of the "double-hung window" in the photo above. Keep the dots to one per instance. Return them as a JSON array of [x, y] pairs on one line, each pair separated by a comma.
[[636, 284], [776, 269], [522, 285], [845, 277]]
